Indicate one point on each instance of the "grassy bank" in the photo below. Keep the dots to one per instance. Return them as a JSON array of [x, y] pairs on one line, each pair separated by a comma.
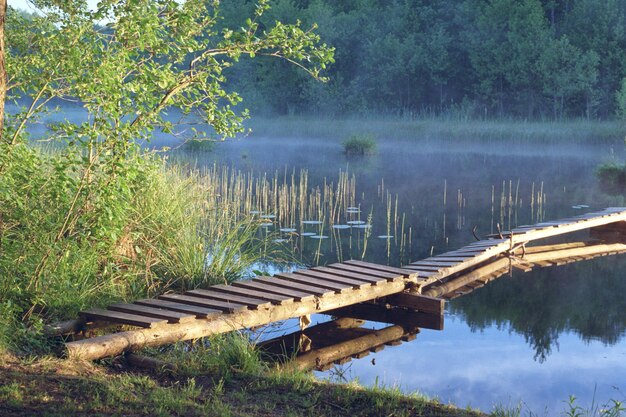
[[59, 388], [444, 129]]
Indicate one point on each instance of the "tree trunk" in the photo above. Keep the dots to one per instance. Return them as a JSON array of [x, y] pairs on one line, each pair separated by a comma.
[[3, 72]]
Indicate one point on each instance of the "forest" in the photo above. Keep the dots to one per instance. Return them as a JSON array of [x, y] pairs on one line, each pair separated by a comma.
[[486, 59]]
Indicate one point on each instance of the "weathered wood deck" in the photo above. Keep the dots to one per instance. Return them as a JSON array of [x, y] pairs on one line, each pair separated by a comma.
[[335, 288]]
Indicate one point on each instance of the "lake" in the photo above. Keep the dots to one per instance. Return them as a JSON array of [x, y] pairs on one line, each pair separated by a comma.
[[531, 338]]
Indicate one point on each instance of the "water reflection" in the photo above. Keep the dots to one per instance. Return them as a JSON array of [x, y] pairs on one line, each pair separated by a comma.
[[582, 299]]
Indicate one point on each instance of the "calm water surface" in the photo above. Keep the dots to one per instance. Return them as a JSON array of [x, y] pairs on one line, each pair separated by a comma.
[[534, 338]]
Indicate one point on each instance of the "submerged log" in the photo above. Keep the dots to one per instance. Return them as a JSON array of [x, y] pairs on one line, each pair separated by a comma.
[[317, 358]]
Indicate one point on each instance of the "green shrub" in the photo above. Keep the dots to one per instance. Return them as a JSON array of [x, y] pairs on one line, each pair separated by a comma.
[[359, 144], [612, 178], [196, 145]]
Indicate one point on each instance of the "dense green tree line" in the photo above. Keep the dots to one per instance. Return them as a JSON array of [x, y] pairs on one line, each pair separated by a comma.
[[546, 59]]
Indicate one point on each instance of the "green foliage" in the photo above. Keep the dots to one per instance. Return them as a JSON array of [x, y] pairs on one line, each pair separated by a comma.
[[525, 59], [195, 145], [98, 219], [612, 409], [220, 355], [612, 177], [359, 144]]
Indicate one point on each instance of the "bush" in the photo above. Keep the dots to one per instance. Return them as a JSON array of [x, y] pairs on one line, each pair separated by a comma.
[[359, 144], [612, 178], [196, 145]]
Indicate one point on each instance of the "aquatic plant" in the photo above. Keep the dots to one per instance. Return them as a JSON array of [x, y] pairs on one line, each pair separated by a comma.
[[197, 145], [359, 144], [612, 177]]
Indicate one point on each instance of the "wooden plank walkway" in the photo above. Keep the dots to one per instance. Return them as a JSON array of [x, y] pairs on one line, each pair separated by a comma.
[[440, 267], [263, 300]]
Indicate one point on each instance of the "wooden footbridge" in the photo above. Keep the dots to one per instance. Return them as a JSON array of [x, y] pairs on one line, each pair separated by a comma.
[[409, 297]]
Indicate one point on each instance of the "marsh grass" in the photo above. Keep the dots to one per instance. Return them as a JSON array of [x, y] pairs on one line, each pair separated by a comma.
[[359, 145], [195, 145], [612, 178]]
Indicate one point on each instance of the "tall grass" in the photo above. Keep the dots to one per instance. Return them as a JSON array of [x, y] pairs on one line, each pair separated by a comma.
[[170, 231]]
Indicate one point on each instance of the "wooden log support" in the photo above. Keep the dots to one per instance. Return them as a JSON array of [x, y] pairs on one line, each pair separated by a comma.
[[117, 343], [423, 303]]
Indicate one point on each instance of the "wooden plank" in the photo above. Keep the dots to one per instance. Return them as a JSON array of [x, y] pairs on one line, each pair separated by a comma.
[[283, 283], [229, 298], [96, 314], [439, 264], [591, 220], [246, 292], [450, 258], [424, 275], [199, 312], [524, 267], [486, 243], [170, 316], [384, 268], [463, 252], [389, 276], [424, 268], [571, 252], [418, 302], [316, 282], [117, 343], [272, 289], [549, 248], [355, 284], [343, 273], [203, 302]]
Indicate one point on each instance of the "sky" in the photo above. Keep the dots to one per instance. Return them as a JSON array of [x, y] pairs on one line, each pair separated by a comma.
[[25, 5]]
